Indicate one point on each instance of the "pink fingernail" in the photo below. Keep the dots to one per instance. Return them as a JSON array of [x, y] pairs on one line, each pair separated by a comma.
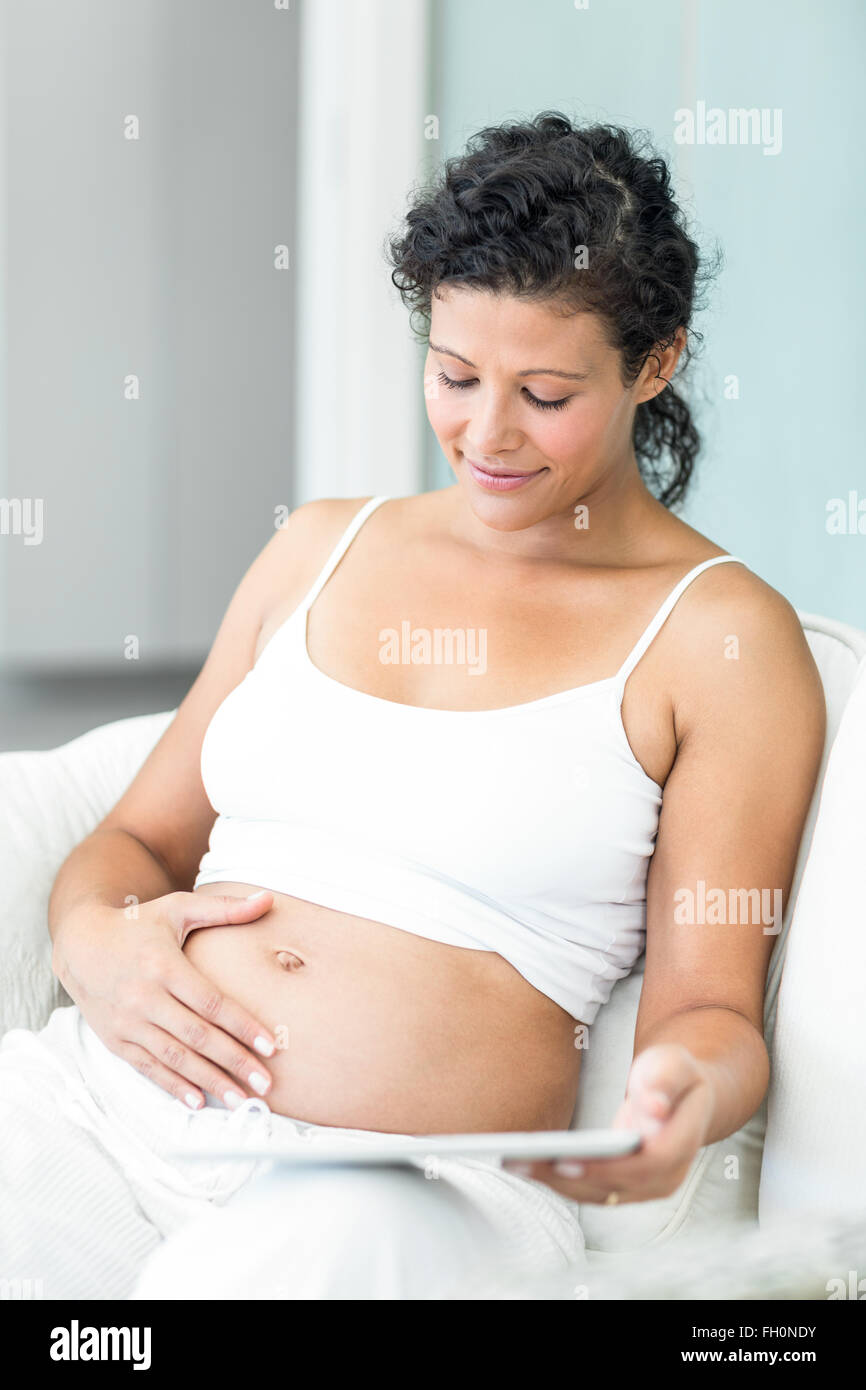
[[567, 1168], [661, 1099], [520, 1170], [232, 1100]]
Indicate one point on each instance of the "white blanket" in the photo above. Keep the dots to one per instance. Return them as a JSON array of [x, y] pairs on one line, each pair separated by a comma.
[[91, 1184]]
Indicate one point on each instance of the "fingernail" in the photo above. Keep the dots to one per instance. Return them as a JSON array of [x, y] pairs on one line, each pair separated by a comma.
[[192, 1101], [232, 1100], [567, 1168], [264, 1047], [258, 1082], [520, 1170], [260, 894], [661, 1099]]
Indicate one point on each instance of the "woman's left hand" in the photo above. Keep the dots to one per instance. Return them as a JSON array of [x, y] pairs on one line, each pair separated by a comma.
[[669, 1098]]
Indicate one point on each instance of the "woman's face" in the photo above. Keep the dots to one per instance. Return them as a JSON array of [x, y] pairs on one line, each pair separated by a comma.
[[528, 406]]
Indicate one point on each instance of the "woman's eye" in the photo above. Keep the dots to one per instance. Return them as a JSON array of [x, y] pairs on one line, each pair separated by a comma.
[[454, 384], [451, 381], [547, 405]]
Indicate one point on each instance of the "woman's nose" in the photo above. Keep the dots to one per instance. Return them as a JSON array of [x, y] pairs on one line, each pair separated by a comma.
[[490, 425]]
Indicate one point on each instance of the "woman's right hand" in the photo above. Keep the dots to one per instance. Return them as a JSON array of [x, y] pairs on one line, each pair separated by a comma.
[[126, 970]]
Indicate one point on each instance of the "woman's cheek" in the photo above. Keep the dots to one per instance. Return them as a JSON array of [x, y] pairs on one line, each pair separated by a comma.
[[447, 418], [589, 435], [571, 436]]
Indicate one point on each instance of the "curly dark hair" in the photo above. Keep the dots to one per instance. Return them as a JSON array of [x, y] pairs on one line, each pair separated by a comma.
[[509, 215]]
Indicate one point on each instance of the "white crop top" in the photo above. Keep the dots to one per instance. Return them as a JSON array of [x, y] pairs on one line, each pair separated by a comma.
[[525, 830]]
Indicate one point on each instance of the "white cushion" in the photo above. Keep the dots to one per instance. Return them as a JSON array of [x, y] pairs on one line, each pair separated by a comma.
[[49, 802], [815, 1147]]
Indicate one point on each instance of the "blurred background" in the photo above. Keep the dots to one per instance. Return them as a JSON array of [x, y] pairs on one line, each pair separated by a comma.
[[199, 330]]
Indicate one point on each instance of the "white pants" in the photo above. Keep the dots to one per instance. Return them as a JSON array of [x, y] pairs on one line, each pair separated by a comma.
[[95, 1201]]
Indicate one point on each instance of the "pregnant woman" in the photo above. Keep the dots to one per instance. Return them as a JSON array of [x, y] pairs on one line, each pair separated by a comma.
[[452, 762]]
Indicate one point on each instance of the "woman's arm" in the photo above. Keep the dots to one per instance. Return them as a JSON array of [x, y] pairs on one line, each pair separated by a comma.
[[122, 904], [750, 729]]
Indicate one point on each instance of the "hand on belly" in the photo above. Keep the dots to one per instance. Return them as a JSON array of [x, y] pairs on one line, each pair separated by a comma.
[[379, 1029]]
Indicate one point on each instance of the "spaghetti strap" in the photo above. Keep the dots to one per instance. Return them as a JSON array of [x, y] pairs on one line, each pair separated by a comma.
[[339, 551], [649, 632]]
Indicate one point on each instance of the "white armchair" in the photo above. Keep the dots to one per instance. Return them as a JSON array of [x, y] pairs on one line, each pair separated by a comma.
[[800, 1155]]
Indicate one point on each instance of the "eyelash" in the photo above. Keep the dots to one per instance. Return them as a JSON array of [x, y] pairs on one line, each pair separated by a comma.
[[540, 405]]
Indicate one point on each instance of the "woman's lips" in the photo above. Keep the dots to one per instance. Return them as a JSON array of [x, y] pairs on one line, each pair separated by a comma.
[[499, 482]]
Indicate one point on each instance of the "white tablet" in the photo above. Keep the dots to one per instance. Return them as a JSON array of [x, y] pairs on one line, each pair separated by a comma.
[[383, 1149]]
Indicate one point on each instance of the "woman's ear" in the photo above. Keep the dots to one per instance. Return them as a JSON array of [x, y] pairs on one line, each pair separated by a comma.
[[659, 367]]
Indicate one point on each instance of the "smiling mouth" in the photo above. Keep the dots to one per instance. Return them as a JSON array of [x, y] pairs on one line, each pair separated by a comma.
[[499, 479]]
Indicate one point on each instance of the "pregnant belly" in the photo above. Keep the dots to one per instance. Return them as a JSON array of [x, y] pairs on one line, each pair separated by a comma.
[[379, 1029]]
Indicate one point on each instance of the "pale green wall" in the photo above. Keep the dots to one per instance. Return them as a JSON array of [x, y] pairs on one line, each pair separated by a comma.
[[786, 313]]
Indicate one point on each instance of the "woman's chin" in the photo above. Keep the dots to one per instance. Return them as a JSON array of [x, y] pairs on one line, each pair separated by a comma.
[[506, 511]]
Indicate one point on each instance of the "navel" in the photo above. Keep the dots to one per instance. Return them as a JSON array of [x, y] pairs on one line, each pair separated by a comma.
[[289, 961]]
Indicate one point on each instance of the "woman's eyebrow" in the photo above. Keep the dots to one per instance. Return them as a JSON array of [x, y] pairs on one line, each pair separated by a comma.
[[527, 371]]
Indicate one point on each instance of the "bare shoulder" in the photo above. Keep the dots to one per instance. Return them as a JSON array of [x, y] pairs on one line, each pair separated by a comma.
[[728, 607], [319, 523], [741, 649], [300, 547], [303, 543], [755, 616]]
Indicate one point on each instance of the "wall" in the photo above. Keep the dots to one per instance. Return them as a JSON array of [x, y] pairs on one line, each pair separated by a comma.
[[786, 315], [153, 257]]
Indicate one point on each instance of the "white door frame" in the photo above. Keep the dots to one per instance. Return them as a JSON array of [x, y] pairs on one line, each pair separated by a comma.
[[363, 75]]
